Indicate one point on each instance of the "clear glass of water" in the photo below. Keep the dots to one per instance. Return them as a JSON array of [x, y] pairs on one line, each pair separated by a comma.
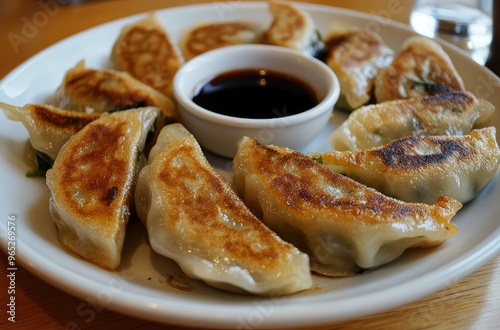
[[465, 23]]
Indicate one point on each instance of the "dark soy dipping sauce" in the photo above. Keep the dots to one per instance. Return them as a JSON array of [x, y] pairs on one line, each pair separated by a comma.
[[255, 94]]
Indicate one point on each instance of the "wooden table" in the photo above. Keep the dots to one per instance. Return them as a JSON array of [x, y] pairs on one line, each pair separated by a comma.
[[473, 302]]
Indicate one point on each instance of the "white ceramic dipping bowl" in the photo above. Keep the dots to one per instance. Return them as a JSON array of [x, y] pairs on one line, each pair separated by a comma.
[[221, 133]]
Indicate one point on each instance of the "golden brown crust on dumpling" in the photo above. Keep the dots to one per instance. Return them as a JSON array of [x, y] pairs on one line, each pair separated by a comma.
[[52, 116], [451, 113], [356, 56], [356, 46], [291, 27], [421, 68], [49, 127], [198, 214], [303, 190], [342, 225], [145, 50], [208, 36], [47, 117], [107, 90], [94, 165], [91, 184], [194, 217], [422, 168]]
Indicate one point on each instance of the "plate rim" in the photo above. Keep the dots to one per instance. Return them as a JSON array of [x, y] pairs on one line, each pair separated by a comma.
[[475, 256]]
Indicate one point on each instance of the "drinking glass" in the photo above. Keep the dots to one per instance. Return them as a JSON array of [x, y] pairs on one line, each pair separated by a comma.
[[465, 23]]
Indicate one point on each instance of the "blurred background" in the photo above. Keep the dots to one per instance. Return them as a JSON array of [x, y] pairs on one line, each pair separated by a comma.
[[27, 26], [465, 23]]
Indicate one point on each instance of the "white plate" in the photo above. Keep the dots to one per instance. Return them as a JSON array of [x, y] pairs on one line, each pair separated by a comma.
[[149, 286]]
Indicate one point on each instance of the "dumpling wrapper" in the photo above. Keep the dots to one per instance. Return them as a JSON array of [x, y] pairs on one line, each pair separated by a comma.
[[293, 28], [374, 125], [92, 183], [208, 36], [88, 90], [356, 57], [342, 224], [195, 218], [421, 68], [145, 50], [422, 168], [49, 127]]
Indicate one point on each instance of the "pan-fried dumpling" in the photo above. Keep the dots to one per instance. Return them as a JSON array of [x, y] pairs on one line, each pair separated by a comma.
[[356, 56], [421, 68], [90, 90], [194, 217], [422, 168], [145, 50], [207, 36], [49, 127], [342, 224], [92, 182], [293, 28], [443, 114]]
